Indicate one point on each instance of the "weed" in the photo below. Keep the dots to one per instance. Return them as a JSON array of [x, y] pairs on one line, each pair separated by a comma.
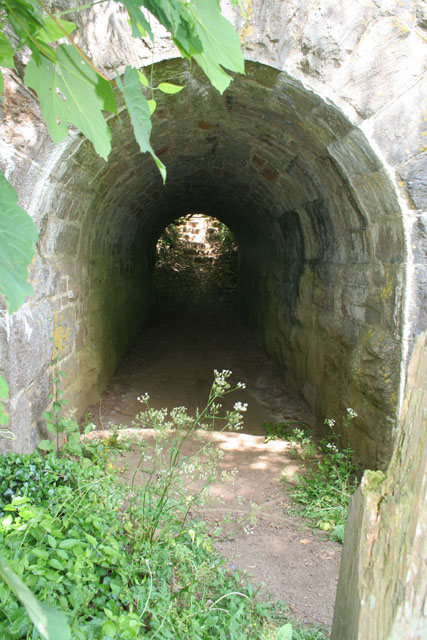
[[323, 491], [301, 440], [170, 473]]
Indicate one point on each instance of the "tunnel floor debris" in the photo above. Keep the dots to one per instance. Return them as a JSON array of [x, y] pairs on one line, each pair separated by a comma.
[[173, 361]]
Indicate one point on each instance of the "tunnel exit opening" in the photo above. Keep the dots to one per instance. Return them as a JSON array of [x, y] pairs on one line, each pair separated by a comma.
[[195, 274]]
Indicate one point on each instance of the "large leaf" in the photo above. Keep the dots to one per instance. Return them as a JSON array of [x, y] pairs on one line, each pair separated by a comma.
[[220, 42], [18, 236], [49, 622], [139, 112], [138, 21], [178, 18], [285, 632], [70, 91], [50, 32], [6, 52]]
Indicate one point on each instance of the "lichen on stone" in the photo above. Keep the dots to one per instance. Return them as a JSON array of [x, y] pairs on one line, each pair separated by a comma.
[[372, 481]]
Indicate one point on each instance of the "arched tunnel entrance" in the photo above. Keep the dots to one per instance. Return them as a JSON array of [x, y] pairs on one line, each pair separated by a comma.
[[321, 242]]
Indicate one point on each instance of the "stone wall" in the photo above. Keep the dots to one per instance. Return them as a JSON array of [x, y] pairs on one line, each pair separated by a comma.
[[314, 159], [382, 587]]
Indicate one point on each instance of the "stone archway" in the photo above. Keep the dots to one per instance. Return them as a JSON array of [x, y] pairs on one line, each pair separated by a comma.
[[315, 215]]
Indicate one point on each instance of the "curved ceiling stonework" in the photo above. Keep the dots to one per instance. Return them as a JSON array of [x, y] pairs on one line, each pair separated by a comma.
[[319, 221]]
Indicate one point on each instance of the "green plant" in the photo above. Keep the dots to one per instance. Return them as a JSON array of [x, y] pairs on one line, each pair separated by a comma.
[[89, 545], [169, 472], [301, 439], [40, 478], [49, 622], [67, 431], [323, 491]]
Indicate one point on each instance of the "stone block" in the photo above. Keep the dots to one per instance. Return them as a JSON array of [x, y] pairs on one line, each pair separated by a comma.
[[354, 155], [414, 173], [30, 346]]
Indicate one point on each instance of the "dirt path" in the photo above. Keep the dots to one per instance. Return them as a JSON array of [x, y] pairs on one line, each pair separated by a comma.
[[173, 361]]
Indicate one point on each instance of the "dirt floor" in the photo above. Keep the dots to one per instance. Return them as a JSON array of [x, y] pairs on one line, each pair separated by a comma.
[[173, 361], [174, 364]]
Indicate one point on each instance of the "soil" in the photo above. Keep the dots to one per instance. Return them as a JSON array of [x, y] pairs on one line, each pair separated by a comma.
[[173, 361]]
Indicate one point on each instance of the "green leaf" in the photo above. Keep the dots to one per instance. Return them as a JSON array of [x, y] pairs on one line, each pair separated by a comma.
[[6, 52], [139, 112], [55, 564], [40, 553], [91, 539], [45, 445], [70, 91], [152, 104], [284, 633], [18, 236], [50, 623], [167, 87], [138, 22], [19, 500], [143, 79], [109, 628], [69, 543], [220, 42], [178, 18], [52, 541], [50, 32], [4, 388]]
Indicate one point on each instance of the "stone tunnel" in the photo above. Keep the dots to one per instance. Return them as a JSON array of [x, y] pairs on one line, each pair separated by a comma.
[[296, 158]]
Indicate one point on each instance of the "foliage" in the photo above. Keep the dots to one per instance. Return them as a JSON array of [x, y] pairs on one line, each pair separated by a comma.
[[323, 491], [50, 623], [221, 233], [18, 236], [288, 430], [123, 562], [40, 478], [71, 90], [168, 239], [282, 625]]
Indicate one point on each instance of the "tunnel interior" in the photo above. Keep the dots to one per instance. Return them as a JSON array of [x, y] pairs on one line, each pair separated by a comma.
[[311, 208]]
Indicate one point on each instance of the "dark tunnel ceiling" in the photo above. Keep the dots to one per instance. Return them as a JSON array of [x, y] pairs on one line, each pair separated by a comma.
[[262, 149]]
